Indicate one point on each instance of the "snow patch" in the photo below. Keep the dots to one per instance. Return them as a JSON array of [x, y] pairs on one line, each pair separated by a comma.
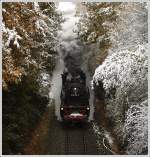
[[12, 36], [105, 10], [108, 137]]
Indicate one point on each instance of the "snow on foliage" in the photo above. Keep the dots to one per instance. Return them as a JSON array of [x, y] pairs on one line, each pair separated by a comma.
[[36, 7], [13, 36], [121, 32], [136, 128], [91, 22], [29, 39], [42, 26], [106, 10], [130, 27], [123, 69], [124, 75], [127, 73]]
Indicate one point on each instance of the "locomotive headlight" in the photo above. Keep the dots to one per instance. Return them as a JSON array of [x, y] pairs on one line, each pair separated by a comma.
[[88, 108], [62, 108]]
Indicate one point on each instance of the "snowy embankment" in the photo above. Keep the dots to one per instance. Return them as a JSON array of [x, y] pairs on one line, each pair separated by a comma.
[[125, 71]]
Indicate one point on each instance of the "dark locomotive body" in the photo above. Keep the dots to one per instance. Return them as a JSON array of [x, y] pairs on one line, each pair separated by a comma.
[[74, 98]]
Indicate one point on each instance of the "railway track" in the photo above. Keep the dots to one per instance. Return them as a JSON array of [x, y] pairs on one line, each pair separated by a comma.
[[57, 139], [84, 142], [77, 142], [67, 143]]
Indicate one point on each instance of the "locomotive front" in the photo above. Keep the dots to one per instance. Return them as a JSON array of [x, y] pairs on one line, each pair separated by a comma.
[[75, 101]]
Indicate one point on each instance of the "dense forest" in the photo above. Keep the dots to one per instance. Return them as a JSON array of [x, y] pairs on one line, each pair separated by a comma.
[[119, 32], [113, 38], [29, 52]]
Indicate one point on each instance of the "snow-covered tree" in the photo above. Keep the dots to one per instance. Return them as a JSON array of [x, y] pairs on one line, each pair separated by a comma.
[[29, 39], [92, 28], [124, 76], [123, 69], [121, 32], [130, 27], [91, 22], [136, 128], [29, 49]]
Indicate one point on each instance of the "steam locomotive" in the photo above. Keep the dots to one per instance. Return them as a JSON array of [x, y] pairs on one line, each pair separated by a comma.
[[74, 97]]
